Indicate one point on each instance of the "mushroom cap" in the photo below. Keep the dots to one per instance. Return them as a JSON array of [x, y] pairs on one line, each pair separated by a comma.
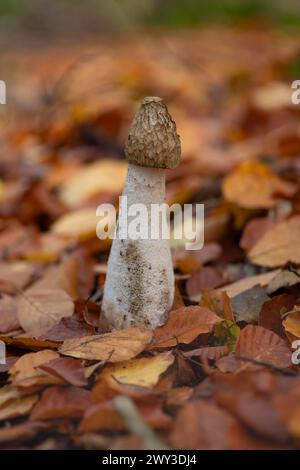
[[152, 139]]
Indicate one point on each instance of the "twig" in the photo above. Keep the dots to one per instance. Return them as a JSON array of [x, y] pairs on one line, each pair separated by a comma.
[[269, 365], [136, 424]]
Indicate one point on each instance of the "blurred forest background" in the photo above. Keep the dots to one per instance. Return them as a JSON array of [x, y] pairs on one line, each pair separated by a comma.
[[62, 17]]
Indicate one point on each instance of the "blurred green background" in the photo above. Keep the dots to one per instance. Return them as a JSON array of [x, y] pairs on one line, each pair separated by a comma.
[[60, 17]]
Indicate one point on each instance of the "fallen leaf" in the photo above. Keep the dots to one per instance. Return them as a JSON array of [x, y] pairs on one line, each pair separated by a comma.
[[39, 310], [219, 302], [252, 185], [100, 176], [259, 344], [9, 393], [61, 402], [212, 353], [79, 224], [8, 314], [113, 347], [207, 278], [104, 417], [144, 372], [21, 432], [240, 286], [19, 407], [271, 312], [183, 326], [284, 278], [25, 373], [201, 425], [66, 368], [292, 323], [253, 231], [279, 245], [246, 306]]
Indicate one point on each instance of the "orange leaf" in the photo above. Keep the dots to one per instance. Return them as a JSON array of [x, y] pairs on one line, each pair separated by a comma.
[[183, 326]]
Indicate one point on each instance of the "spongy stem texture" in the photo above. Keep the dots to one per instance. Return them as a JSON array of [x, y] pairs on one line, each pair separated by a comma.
[[139, 288]]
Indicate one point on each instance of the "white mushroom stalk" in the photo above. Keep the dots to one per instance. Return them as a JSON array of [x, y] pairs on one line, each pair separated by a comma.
[[139, 288]]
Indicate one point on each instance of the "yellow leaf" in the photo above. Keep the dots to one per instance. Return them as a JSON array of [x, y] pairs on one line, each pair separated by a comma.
[[79, 224], [143, 372], [113, 347], [292, 323], [101, 176]]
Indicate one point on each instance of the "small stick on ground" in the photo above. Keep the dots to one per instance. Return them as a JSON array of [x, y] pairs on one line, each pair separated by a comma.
[[136, 424]]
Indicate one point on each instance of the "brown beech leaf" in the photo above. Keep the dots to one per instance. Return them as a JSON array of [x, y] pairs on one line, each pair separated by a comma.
[[183, 326], [271, 312], [61, 402], [21, 432], [66, 328], [212, 353], [201, 425], [104, 417], [248, 395], [113, 347], [25, 373], [279, 245], [21, 340], [18, 273], [254, 230], [207, 278], [66, 368], [19, 407], [40, 309], [255, 342], [8, 314], [219, 302]]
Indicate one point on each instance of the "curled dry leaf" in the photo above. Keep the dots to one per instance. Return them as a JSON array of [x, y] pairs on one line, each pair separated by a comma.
[[279, 244], [183, 326], [144, 372], [113, 347], [25, 373], [39, 310]]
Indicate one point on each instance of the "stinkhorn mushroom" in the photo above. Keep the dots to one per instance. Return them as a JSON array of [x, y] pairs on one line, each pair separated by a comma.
[[139, 287]]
